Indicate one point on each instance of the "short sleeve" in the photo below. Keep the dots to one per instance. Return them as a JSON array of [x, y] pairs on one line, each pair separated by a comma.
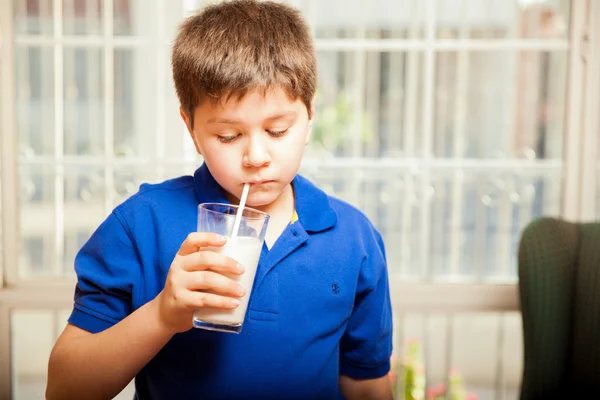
[[107, 268], [366, 346]]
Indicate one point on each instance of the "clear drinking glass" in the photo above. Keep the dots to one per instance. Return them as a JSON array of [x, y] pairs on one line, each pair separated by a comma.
[[245, 248]]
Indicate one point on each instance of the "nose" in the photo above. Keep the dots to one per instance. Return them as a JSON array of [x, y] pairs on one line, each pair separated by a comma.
[[257, 153]]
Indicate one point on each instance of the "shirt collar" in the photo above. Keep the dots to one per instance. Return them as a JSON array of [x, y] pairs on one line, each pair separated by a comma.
[[207, 189], [312, 205], [315, 213]]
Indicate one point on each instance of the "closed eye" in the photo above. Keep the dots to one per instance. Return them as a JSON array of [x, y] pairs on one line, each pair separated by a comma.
[[228, 139], [277, 133]]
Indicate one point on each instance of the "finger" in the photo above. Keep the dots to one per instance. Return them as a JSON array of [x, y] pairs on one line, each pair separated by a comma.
[[214, 283], [197, 300], [210, 260], [197, 240]]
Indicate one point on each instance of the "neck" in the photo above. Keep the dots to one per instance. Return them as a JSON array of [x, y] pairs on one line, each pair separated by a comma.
[[283, 206], [281, 211]]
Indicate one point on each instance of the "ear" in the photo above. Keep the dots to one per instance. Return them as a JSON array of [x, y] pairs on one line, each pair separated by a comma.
[[310, 124], [188, 124]]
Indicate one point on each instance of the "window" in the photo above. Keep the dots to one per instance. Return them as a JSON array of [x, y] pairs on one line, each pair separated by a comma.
[[445, 151]]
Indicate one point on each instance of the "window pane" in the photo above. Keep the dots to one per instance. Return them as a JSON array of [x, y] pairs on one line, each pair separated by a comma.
[[477, 217], [135, 102], [127, 180], [149, 19], [82, 17], [83, 101], [146, 116], [124, 18], [379, 118], [84, 197], [461, 224], [547, 19], [35, 107], [385, 19], [439, 347], [54, 225], [33, 17], [37, 223], [173, 140], [500, 104], [393, 104]]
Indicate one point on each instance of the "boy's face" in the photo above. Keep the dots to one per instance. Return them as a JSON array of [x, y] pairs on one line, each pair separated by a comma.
[[259, 139]]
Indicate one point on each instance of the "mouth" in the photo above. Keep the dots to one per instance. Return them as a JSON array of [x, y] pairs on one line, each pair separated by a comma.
[[261, 182]]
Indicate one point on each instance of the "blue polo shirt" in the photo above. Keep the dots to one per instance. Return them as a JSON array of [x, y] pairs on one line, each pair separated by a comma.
[[320, 304]]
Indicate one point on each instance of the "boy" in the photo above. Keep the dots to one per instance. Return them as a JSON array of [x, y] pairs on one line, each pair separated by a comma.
[[319, 321]]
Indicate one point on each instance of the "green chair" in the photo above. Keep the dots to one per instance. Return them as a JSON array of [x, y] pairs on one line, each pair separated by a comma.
[[559, 287]]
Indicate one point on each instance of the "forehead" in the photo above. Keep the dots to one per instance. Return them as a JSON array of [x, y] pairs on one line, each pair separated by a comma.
[[254, 106]]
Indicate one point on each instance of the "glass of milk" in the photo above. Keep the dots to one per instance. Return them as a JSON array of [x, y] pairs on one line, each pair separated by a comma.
[[245, 248]]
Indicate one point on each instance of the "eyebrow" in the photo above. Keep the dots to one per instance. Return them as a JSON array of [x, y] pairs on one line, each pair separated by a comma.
[[286, 114]]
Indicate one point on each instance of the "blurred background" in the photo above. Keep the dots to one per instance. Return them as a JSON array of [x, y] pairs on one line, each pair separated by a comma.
[[451, 123]]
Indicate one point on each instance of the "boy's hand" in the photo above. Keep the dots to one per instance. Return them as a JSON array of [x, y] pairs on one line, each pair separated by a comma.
[[196, 279]]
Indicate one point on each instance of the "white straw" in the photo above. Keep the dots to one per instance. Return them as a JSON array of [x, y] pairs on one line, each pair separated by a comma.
[[240, 211]]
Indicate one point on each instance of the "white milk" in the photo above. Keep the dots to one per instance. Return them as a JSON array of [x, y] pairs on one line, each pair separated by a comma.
[[246, 251]]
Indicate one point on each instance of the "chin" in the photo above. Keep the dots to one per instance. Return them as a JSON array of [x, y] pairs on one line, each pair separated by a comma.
[[260, 200]]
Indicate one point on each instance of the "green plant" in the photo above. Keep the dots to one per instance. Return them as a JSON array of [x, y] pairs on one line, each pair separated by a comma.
[[334, 123], [413, 375], [456, 385], [456, 388]]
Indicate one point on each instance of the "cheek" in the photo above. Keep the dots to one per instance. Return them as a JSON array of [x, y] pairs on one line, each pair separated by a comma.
[[293, 149], [220, 163], [217, 154]]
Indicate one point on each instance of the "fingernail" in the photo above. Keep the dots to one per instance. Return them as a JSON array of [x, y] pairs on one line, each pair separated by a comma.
[[240, 268], [234, 302], [221, 239], [241, 291]]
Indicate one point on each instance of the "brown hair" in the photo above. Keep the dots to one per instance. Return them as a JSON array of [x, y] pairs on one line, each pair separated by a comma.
[[234, 47]]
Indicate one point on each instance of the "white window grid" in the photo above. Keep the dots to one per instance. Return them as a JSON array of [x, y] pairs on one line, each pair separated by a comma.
[[423, 161]]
